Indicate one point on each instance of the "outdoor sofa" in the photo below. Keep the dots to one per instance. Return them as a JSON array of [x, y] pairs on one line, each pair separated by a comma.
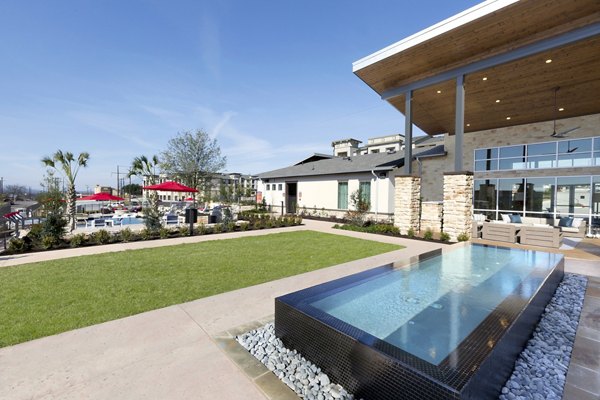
[[577, 229], [545, 236]]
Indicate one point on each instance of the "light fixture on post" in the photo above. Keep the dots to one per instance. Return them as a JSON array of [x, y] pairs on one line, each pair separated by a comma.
[[563, 133]]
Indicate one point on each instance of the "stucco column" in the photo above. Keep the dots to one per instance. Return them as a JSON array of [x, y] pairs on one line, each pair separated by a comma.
[[458, 203], [406, 202]]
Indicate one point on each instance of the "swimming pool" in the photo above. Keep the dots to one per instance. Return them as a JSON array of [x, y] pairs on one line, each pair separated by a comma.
[[446, 325]]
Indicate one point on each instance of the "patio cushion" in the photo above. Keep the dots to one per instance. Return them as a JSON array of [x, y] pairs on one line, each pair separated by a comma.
[[569, 229], [576, 222], [515, 218], [565, 222], [505, 217]]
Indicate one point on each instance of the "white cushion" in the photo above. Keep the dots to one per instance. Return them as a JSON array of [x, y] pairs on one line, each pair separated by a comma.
[[499, 222], [577, 222], [542, 225], [479, 217], [569, 229], [505, 217]]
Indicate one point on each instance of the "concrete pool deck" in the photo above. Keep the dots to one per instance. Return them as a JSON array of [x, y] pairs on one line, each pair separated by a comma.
[[185, 351]]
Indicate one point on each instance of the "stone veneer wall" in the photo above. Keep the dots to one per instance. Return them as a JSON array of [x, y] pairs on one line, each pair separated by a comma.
[[458, 203], [431, 215], [406, 202], [434, 168]]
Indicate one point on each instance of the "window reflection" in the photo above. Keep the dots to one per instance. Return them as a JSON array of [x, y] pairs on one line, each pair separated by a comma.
[[511, 194], [573, 195]]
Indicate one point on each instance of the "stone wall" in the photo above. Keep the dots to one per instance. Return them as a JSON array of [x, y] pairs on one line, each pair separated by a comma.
[[458, 203], [431, 215], [406, 203]]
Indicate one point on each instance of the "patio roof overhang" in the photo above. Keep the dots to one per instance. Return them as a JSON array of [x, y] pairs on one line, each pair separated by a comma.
[[507, 42]]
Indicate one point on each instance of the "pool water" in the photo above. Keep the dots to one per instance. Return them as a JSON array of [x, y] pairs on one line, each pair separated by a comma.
[[428, 309]]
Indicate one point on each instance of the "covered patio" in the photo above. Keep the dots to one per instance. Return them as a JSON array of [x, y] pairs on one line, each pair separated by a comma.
[[502, 73]]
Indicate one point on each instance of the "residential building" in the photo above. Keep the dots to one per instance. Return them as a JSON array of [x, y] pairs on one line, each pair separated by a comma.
[[323, 184]]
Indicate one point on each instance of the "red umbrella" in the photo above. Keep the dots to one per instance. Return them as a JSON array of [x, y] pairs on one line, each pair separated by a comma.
[[170, 186], [102, 197], [189, 199]]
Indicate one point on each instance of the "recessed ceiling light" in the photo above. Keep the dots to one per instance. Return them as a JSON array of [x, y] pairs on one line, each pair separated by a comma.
[[439, 91], [484, 78], [507, 117], [468, 124], [498, 101], [548, 61], [561, 109]]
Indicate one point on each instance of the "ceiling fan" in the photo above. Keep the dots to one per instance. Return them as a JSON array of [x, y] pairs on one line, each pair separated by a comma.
[[565, 132]]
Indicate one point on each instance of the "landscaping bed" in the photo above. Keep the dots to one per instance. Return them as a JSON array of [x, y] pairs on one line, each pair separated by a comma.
[[35, 240], [391, 230]]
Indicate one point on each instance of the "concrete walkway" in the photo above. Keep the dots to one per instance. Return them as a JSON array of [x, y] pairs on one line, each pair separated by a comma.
[[170, 353]]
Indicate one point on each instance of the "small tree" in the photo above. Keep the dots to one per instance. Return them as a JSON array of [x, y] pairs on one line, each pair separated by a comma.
[[193, 158], [66, 163], [147, 168], [132, 189], [361, 207]]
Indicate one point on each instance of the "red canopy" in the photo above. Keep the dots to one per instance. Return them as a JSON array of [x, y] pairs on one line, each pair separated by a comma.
[[170, 186], [189, 199], [102, 197]]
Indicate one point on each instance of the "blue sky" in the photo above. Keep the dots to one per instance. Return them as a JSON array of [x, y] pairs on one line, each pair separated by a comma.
[[272, 81]]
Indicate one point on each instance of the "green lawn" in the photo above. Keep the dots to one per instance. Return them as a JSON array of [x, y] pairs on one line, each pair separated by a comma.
[[45, 298]]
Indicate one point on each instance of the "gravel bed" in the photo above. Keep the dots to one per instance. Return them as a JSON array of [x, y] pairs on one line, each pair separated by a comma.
[[541, 369], [539, 373]]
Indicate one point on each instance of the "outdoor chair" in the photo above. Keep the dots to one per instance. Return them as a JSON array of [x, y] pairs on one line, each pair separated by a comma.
[[500, 232], [545, 236], [171, 220]]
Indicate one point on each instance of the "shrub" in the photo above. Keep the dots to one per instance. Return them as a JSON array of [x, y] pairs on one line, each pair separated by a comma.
[[244, 226], [146, 234], [126, 235], [428, 235], [36, 232], [201, 229], [231, 227], [217, 228], [101, 237], [410, 233], [445, 237], [184, 230], [163, 233], [463, 237], [16, 245], [54, 225], [48, 242], [268, 223], [78, 240], [298, 220]]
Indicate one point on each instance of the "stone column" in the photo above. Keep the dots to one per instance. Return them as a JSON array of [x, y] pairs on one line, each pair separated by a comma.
[[431, 215], [406, 202], [458, 203]]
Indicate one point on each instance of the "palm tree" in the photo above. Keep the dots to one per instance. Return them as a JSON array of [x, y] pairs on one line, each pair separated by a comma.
[[146, 168], [69, 167]]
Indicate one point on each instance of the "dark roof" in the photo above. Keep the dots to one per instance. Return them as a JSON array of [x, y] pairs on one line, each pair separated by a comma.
[[348, 165], [315, 157], [427, 140]]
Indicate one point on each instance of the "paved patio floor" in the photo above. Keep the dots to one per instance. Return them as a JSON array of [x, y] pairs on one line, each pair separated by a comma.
[[177, 352]]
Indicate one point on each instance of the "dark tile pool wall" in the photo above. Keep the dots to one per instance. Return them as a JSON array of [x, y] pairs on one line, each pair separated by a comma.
[[375, 371], [361, 369]]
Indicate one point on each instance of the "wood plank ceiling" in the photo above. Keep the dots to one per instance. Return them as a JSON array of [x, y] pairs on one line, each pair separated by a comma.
[[524, 88]]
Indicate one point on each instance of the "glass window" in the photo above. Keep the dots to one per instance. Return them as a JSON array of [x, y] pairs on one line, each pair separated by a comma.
[[343, 195], [268, 187], [482, 154], [486, 165], [280, 186], [597, 157], [574, 160], [484, 196], [596, 195], [573, 195], [575, 146], [540, 195], [548, 161], [512, 151], [511, 194], [511, 163], [365, 192], [597, 143], [541, 149]]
